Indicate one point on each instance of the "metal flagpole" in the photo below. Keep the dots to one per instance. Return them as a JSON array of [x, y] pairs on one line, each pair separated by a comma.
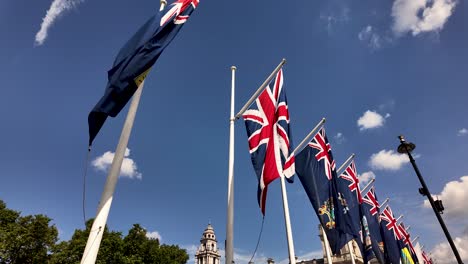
[[307, 138], [407, 147], [351, 253], [229, 253], [363, 190], [260, 89], [338, 171], [95, 235], [327, 246], [287, 222], [384, 204]]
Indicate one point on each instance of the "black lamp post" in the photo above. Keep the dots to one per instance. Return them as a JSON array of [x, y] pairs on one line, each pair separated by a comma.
[[408, 147]]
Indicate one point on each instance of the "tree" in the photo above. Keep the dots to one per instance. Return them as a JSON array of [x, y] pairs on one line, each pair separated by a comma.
[[27, 239]]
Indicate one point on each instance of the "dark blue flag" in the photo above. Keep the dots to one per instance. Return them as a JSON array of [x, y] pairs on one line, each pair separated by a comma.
[[348, 189], [373, 243], [315, 169], [136, 58], [391, 236]]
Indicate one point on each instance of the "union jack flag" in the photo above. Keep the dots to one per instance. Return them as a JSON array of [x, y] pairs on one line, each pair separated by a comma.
[[177, 11], [370, 199], [350, 175], [387, 216], [406, 238], [320, 143], [267, 124], [391, 236], [426, 258]]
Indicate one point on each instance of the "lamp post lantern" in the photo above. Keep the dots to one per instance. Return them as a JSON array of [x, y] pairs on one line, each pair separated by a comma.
[[408, 147]]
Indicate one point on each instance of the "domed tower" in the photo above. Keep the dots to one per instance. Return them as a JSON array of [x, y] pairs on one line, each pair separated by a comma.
[[207, 252]]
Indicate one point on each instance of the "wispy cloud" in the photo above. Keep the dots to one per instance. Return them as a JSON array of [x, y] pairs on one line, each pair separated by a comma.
[[417, 16], [369, 36], [56, 10], [339, 138], [371, 119], [129, 168], [462, 132], [334, 16], [387, 160], [365, 177]]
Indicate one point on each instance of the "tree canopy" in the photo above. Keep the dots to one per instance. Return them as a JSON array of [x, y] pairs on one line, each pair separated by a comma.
[[33, 239]]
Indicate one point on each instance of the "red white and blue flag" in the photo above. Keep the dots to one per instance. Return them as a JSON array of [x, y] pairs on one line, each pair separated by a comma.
[[391, 236], [267, 124]]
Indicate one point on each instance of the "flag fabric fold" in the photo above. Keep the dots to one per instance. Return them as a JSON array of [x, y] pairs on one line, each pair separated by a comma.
[[315, 168], [135, 59], [270, 146]]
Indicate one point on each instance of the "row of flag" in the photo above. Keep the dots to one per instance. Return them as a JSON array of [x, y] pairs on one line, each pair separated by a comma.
[[344, 210]]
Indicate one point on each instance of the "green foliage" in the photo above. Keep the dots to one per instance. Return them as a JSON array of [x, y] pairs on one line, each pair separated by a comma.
[[27, 239], [32, 240]]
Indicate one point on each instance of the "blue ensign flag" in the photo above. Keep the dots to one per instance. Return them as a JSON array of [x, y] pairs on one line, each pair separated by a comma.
[[315, 168], [391, 236], [350, 193], [373, 243], [136, 58]]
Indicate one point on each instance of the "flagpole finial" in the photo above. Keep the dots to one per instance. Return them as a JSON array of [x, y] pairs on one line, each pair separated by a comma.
[[323, 120], [163, 4], [233, 68]]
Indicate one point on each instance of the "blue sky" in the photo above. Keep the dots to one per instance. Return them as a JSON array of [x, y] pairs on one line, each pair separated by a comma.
[[374, 69]]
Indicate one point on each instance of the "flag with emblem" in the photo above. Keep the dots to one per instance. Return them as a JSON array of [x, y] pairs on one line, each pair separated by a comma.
[[270, 147], [372, 237], [135, 59], [348, 188], [391, 236], [315, 168]]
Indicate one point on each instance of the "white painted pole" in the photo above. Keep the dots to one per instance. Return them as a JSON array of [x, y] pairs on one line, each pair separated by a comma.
[[351, 253], [229, 251], [260, 89], [307, 138], [163, 5], [287, 222], [95, 236], [327, 246]]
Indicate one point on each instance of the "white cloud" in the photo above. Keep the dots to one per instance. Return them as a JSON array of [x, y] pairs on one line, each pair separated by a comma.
[[462, 132], [370, 119], [339, 138], [154, 235], [129, 168], [365, 177], [418, 16], [56, 9], [443, 254], [453, 196], [370, 37], [387, 160]]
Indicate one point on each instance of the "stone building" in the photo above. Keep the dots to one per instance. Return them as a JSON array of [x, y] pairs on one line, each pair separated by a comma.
[[208, 252]]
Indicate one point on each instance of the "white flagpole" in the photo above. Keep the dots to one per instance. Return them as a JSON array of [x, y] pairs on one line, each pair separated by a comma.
[[307, 138], [95, 235], [287, 222], [384, 204], [338, 171], [327, 246], [260, 89], [350, 248], [229, 251]]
